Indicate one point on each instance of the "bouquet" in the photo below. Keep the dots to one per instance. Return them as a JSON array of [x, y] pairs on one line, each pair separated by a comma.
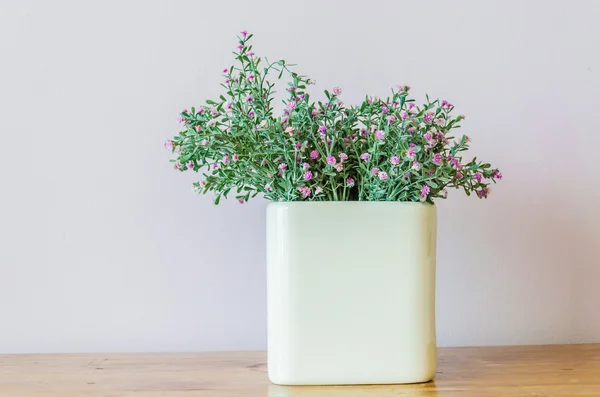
[[380, 150]]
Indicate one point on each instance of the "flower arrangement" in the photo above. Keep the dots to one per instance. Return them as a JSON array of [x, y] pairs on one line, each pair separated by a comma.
[[380, 150]]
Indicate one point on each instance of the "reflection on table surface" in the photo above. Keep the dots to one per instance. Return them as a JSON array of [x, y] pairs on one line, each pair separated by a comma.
[[420, 389]]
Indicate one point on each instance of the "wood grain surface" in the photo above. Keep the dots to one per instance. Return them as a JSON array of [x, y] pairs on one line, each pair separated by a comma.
[[534, 371]]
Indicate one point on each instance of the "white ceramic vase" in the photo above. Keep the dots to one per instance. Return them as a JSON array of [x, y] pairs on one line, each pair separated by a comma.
[[351, 292]]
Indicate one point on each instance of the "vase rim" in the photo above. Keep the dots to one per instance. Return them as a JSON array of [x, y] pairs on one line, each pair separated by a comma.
[[331, 202]]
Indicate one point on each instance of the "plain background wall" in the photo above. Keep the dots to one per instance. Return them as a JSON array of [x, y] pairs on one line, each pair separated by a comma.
[[103, 247]]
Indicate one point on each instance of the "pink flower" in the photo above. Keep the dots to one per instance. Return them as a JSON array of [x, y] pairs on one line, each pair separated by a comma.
[[428, 136], [444, 193], [211, 123], [497, 175], [365, 156], [375, 171], [180, 120], [384, 109], [440, 121], [304, 190], [484, 192], [395, 160], [250, 54], [241, 201], [370, 99], [337, 90], [249, 98], [412, 130], [282, 167], [268, 188], [363, 131], [446, 105], [235, 157], [411, 154], [190, 165], [198, 128], [428, 116], [466, 138], [251, 113], [225, 70], [204, 142], [314, 154], [216, 166], [425, 192], [240, 47], [322, 130], [459, 175], [478, 176], [305, 166], [226, 159], [350, 182], [308, 176], [391, 119], [416, 166], [203, 183], [318, 190], [250, 78], [379, 135], [291, 105], [343, 157], [227, 81], [383, 176], [437, 159], [403, 115], [244, 33], [331, 160], [169, 145], [177, 165], [339, 167]]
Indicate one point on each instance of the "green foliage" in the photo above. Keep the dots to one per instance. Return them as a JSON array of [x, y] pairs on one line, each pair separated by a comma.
[[381, 150]]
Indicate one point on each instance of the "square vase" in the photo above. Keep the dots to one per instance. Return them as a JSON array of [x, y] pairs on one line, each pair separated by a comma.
[[351, 292]]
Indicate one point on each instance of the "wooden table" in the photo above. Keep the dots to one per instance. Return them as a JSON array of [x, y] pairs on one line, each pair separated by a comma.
[[534, 371]]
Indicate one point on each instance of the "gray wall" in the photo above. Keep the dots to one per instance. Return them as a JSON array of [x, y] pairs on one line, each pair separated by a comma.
[[103, 247]]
